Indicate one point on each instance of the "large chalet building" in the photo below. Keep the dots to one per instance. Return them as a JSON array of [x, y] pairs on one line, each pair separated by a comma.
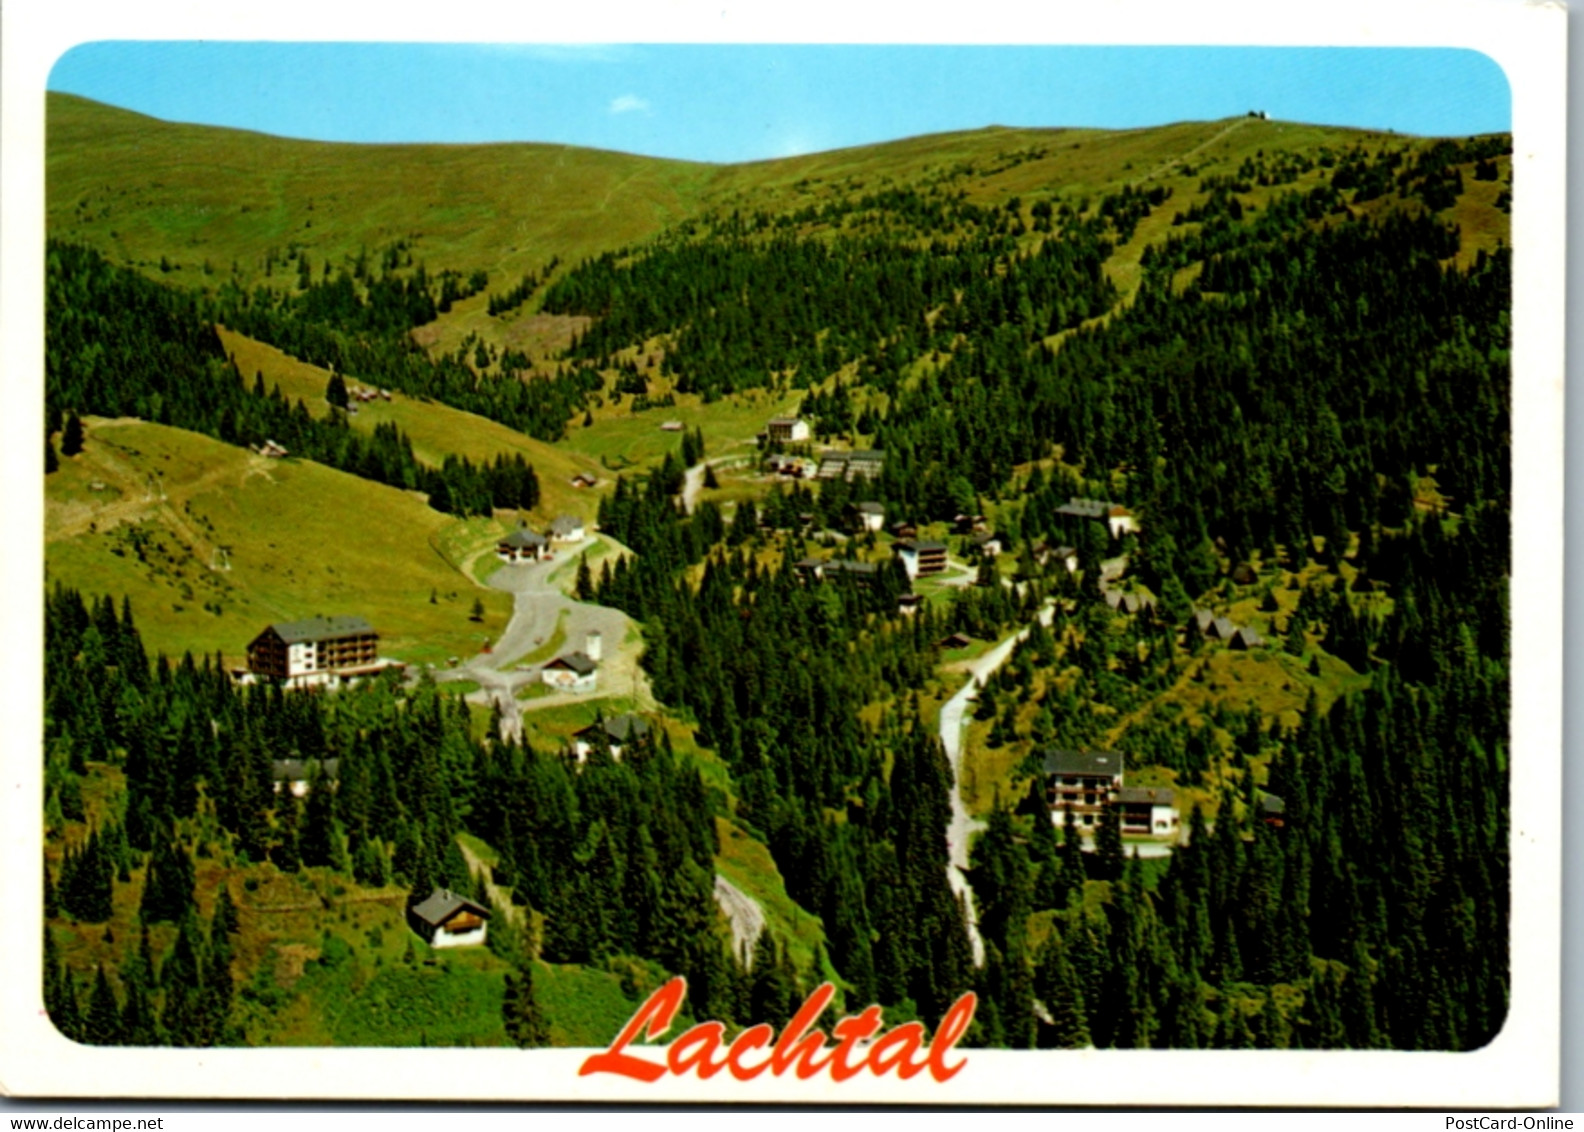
[[921, 558], [1086, 781], [314, 651]]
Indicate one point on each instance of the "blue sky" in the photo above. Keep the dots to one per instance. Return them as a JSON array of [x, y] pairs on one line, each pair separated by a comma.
[[740, 103]]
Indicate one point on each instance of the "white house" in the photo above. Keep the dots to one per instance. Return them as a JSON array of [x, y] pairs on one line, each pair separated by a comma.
[[1119, 520], [448, 920], [788, 430], [871, 516], [1148, 809], [574, 672], [568, 528]]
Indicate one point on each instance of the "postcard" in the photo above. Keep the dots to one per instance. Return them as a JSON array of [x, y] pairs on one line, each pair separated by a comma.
[[752, 559]]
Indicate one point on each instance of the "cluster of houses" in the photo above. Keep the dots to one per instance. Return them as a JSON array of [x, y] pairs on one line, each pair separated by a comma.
[[832, 463], [365, 394], [1214, 628], [1084, 782], [526, 545]]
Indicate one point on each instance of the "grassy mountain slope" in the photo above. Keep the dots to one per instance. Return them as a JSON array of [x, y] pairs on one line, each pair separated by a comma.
[[152, 192], [142, 189], [211, 543], [436, 431]]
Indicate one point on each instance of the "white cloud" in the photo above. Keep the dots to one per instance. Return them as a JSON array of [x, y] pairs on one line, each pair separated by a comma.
[[628, 103]]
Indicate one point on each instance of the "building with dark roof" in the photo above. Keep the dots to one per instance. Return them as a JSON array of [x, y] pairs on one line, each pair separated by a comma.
[[445, 919], [869, 516], [573, 672], [810, 569], [523, 545], [921, 558], [1148, 809], [315, 650], [787, 430], [847, 464], [1080, 781], [615, 733], [1118, 519], [1244, 638], [1272, 810]]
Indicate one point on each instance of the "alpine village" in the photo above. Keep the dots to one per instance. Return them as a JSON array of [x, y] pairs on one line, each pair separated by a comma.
[[487, 581]]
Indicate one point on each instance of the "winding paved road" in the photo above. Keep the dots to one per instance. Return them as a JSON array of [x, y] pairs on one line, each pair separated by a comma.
[[963, 826], [540, 606]]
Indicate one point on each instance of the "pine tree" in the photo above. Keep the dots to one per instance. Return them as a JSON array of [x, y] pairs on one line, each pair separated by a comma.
[[167, 884], [103, 1022], [72, 435], [1056, 984], [1109, 859], [521, 1013]]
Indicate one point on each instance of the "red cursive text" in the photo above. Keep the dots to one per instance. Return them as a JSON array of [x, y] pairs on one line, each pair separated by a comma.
[[800, 1049]]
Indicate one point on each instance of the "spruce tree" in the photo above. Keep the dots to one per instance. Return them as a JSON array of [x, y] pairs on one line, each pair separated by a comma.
[[1109, 859], [72, 435], [521, 1012], [1056, 984], [102, 1026]]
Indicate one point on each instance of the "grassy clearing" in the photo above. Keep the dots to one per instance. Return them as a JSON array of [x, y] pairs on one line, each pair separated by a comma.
[[453, 998], [620, 438], [436, 430], [585, 1007], [552, 728], [987, 772], [212, 543]]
